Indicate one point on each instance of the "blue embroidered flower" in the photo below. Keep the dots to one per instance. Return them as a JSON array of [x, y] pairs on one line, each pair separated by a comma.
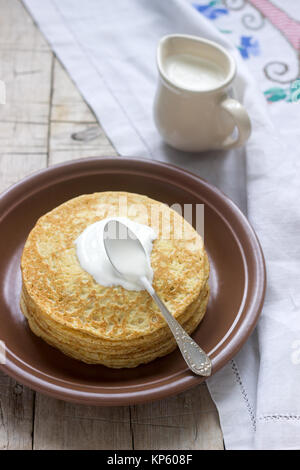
[[248, 46], [210, 10]]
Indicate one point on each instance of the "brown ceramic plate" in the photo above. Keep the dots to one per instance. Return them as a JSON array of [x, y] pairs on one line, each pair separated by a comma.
[[237, 281]]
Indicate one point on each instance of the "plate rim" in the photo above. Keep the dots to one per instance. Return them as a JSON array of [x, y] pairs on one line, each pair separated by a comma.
[[171, 386]]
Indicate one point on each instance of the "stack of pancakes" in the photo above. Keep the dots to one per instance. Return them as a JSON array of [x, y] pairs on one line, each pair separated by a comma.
[[113, 326]]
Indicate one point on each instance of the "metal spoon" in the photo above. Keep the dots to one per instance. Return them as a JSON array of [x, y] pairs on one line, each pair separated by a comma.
[[115, 233]]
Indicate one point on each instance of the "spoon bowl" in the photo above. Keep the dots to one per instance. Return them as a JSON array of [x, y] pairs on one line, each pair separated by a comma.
[[125, 251]]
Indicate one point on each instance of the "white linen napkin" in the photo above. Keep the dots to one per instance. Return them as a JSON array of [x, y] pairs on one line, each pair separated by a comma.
[[109, 50]]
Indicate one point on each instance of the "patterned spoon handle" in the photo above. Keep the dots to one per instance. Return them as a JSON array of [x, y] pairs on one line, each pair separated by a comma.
[[196, 359]]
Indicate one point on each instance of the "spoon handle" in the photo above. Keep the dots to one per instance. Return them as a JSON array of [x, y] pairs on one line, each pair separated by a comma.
[[197, 360]]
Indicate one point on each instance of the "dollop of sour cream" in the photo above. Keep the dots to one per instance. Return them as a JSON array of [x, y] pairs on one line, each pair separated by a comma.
[[93, 259]]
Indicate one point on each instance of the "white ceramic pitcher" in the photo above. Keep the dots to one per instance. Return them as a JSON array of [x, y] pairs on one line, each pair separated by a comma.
[[193, 118]]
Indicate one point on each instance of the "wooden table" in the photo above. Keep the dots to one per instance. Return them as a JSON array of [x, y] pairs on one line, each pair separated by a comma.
[[43, 110]]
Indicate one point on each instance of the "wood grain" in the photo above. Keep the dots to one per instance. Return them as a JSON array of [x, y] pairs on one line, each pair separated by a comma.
[[60, 425], [44, 109], [188, 421], [16, 415], [25, 68], [71, 115]]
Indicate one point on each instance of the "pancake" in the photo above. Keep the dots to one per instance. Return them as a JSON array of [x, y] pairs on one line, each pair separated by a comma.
[[111, 325], [110, 357]]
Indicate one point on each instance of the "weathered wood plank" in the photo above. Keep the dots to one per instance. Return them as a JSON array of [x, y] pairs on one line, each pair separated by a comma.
[[25, 68], [16, 412], [17, 30], [60, 425], [63, 147], [71, 115], [67, 103], [187, 421], [26, 75], [14, 167]]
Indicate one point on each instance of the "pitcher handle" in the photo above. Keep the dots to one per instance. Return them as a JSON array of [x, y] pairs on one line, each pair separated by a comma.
[[241, 120]]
